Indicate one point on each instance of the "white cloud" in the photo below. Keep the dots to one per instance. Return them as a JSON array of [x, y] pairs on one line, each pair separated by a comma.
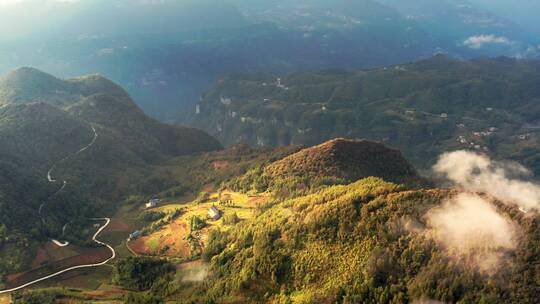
[[477, 42], [475, 172], [469, 227]]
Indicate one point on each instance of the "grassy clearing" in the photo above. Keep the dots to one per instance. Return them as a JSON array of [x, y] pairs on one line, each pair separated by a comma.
[[172, 240]]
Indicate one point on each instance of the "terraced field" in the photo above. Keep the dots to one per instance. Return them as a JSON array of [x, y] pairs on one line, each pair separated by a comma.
[[173, 241]]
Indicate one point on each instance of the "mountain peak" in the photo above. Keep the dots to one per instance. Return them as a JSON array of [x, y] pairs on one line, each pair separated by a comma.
[[27, 70], [27, 85], [28, 75]]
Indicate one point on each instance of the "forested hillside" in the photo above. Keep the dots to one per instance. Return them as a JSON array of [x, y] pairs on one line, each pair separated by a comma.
[[338, 161], [84, 131], [367, 242], [422, 108], [323, 225]]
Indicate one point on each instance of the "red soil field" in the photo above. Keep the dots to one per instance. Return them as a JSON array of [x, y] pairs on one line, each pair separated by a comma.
[[41, 257], [117, 225], [89, 256], [138, 245]]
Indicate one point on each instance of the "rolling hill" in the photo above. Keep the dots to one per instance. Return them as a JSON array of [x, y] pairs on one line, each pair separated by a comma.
[[365, 242], [347, 159], [338, 161]]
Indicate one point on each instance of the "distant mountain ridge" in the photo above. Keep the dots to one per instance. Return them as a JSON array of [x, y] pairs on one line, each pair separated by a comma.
[[178, 48], [422, 108]]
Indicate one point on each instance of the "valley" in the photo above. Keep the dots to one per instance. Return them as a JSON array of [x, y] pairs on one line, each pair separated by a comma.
[[65, 216]]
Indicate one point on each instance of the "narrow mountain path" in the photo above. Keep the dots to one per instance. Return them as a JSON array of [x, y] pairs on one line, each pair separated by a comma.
[[63, 244], [94, 238], [51, 179]]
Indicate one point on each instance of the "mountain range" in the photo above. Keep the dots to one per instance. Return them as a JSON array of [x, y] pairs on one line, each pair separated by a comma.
[[179, 48], [422, 108]]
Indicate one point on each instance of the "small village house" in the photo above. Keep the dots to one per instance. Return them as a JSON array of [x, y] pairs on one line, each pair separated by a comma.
[[135, 235], [214, 213], [152, 203]]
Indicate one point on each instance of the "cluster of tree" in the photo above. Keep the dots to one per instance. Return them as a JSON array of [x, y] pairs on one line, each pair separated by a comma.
[[46, 296], [230, 218], [143, 298], [196, 223], [141, 273], [41, 297], [152, 216]]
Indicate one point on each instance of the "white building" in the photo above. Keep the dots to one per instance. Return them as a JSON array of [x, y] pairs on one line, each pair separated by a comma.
[[135, 235], [226, 101], [214, 213], [152, 203]]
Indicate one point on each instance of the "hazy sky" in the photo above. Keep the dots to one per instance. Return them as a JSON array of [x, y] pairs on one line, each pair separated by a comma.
[[523, 12], [26, 18]]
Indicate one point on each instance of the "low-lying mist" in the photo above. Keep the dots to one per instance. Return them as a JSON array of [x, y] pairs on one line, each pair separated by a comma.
[[472, 230], [469, 227]]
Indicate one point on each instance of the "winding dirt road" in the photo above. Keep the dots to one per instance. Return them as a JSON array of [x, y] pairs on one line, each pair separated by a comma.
[[52, 180], [94, 238], [63, 244]]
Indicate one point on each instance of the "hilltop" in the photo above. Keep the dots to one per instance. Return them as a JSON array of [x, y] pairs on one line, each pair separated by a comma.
[[346, 159], [29, 85], [97, 101], [338, 161]]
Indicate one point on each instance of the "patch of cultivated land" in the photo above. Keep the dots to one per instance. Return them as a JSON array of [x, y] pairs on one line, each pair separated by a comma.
[[172, 241], [83, 279], [51, 258], [84, 256], [5, 299]]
